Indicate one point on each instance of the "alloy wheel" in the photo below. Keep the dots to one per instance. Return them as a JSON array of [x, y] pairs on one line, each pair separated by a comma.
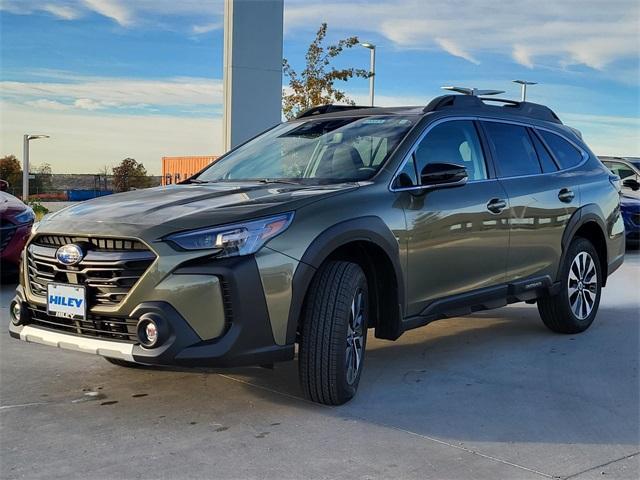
[[582, 285], [355, 336]]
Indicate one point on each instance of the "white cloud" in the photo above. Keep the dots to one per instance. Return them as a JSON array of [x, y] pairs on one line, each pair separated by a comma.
[[64, 12], [45, 104], [587, 32], [89, 104], [91, 93], [209, 27], [113, 9], [522, 55], [450, 47], [83, 142], [126, 13]]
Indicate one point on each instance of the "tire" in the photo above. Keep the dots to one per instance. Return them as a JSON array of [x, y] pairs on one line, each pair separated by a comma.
[[123, 363], [574, 307], [331, 334]]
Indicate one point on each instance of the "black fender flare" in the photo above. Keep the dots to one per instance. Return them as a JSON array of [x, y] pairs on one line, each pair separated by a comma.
[[583, 215], [371, 229]]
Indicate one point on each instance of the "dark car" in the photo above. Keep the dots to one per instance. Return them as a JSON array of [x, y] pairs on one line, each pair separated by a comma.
[[16, 220], [342, 220], [628, 169]]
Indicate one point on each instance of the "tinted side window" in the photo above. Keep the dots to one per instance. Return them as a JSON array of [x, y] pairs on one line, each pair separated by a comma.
[[548, 165], [567, 155], [620, 169], [513, 150], [453, 142]]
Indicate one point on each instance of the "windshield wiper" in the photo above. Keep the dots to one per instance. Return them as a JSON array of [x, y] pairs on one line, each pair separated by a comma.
[[197, 180], [275, 180]]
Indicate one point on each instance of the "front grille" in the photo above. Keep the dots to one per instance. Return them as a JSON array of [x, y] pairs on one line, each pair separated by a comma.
[[109, 270], [121, 329], [112, 244], [7, 230]]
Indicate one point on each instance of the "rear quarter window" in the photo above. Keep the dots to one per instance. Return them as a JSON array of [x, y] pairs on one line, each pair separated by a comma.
[[566, 154]]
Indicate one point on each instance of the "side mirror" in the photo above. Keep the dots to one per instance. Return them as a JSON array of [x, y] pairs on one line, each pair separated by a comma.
[[4, 185], [631, 183], [443, 175]]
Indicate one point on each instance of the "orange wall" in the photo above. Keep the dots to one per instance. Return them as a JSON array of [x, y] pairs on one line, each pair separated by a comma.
[[176, 169]]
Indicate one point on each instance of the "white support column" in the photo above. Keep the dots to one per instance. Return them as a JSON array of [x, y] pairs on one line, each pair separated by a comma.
[[252, 68]]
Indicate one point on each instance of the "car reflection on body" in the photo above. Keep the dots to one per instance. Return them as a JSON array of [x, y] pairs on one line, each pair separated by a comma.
[[16, 220]]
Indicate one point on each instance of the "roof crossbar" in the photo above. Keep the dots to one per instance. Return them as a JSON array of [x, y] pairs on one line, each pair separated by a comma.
[[474, 102], [474, 92]]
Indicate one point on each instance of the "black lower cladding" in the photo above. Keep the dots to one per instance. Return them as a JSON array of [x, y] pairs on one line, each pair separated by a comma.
[[248, 339], [93, 326]]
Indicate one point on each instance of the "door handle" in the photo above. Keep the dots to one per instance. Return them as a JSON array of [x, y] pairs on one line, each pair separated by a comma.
[[496, 205], [566, 195]]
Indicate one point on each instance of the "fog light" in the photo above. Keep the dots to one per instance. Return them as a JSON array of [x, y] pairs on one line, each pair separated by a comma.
[[150, 331], [18, 313]]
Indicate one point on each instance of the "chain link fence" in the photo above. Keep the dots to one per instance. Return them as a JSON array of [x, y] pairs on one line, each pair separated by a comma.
[[77, 187]]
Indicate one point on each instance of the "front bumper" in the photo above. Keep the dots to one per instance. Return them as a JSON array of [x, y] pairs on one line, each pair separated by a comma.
[[243, 336]]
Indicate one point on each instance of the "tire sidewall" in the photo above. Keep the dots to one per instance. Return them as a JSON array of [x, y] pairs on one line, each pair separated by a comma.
[[341, 332]]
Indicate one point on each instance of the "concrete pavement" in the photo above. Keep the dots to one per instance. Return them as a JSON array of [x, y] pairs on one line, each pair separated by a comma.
[[494, 395]]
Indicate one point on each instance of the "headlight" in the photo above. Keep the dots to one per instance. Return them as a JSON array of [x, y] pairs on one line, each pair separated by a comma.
[[25, 217], [233, 240]]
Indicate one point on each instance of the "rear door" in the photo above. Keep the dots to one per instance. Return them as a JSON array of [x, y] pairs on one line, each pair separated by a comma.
[[542, 197]]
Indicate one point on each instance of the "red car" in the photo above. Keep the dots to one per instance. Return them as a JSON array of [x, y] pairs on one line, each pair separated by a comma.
[[16, 220]]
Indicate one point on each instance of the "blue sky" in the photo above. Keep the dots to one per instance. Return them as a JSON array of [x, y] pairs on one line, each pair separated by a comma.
[[109, 79]]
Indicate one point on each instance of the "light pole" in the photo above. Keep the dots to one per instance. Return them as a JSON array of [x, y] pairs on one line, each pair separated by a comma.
[[25, 164], [372, 69], [523, 90]]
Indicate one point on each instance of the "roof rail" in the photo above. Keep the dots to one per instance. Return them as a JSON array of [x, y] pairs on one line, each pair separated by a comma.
[[330, 108], [526, 109]]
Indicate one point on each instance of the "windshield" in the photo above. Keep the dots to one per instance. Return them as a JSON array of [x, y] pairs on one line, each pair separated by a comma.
[[321, 150]]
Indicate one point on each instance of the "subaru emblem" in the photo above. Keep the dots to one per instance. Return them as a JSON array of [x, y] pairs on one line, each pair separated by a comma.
[[69, 254]]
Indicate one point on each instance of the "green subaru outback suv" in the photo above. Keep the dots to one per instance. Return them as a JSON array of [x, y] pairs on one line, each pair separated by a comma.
[[343, 220]]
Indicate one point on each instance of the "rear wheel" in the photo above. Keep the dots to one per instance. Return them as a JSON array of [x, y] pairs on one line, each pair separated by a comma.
[[574, 307], [334, 333]]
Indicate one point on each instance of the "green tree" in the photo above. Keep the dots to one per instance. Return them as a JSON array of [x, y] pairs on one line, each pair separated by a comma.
[[315, 84], [11, 171], [130, 174]]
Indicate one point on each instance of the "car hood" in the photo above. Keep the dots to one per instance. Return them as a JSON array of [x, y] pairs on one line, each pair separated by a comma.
[[161, 210]]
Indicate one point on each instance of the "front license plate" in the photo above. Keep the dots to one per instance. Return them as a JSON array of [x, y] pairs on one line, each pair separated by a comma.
[[67, 301]]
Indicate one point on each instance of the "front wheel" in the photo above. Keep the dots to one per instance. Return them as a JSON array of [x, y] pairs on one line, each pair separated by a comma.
[[574, 307], [334, 333]]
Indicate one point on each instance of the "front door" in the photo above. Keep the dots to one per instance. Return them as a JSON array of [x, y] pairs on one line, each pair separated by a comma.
[[457, 237]]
